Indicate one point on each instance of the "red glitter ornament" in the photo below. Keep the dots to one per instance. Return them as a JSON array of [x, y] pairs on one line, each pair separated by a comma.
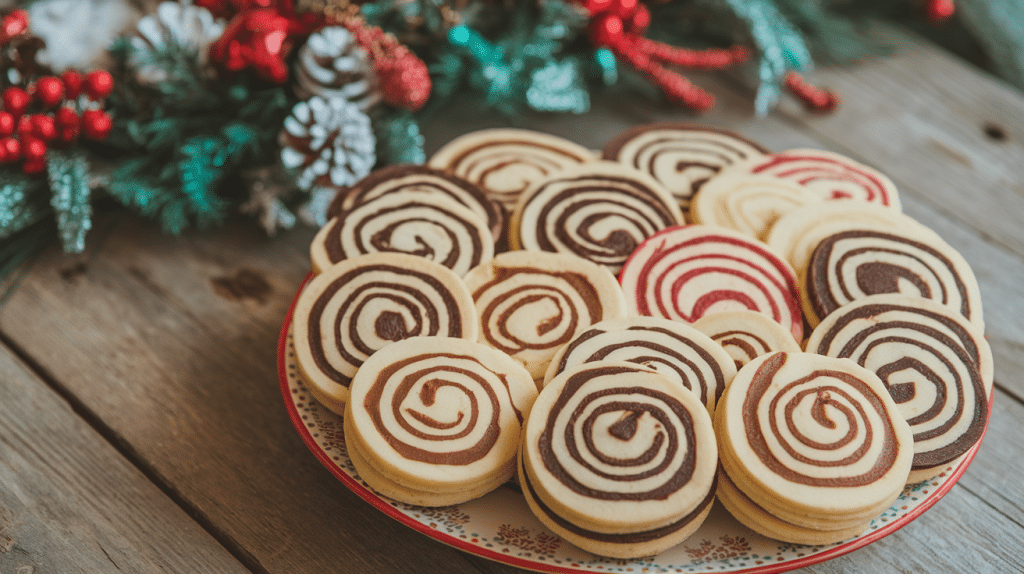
[[14, 23], [98, 84], [618, 25], [49, 91], [16, 100], [256, 39], [72, 83], [96, 124], [7, 124], [404, 78], [814, 98]]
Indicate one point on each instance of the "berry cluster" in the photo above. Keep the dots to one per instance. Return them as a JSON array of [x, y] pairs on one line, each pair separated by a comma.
[[48, 110]]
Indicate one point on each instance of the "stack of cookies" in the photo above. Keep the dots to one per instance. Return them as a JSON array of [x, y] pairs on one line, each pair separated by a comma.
[[632, 332]]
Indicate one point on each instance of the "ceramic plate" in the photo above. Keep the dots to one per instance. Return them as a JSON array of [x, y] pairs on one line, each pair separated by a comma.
[[500, 526]]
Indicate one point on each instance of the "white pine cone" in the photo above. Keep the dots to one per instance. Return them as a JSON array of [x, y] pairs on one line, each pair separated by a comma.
[[188, 27], [331, 64], [327, 142]]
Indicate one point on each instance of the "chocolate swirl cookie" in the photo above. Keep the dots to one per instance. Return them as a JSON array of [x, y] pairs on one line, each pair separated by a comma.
[[359, 305], [437, 421], [618, 459], [505, 161], [409, 178], [685, 273], [750, 204], [853, 264], [815, 441], [936, 365], [600, 211], [681, 156], [532, 303], [831, 175], [746, 335], [435, 227], [674, 349]]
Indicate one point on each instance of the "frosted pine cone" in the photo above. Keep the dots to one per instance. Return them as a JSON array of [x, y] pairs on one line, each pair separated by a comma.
[[331, 64], [328, 142], [183, 26]]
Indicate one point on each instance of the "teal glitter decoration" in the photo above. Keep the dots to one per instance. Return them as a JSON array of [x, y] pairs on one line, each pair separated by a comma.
[[780, 45], [606, 63], [559, 87], [399, 139], [68, 174], [20, 205], [494, 74]]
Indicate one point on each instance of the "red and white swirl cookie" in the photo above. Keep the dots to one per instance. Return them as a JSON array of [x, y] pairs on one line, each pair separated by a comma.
[[600, 211], [831, 175], [681, 156], [436, 227], [815, 442], [358, 306], [853, 264], [505, 161], [687, 272], [746, 335], [435, 421], [409, 178], [618, 459], [936, 365], [674, 349], [532, 303]]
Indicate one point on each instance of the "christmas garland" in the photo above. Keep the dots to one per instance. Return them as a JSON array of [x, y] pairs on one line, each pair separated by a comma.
[[270, 106]]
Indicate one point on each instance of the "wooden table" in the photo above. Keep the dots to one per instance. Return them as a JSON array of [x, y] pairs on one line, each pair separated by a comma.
[[142, 427]]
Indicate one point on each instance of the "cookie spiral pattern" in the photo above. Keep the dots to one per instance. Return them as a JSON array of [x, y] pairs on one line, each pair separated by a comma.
[[600, 211], [613, 444], [746, 335], [832, 175], [360, 305], [748, 203], [851, 265], [933, 362], [685, 273], [808, 429], [408, 178], [682, 157], [437, 228], [440, 415], [674, 349], [530, 304], [506, 161]]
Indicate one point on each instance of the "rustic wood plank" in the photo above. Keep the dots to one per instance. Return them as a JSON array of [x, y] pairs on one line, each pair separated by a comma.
[[71, 503]]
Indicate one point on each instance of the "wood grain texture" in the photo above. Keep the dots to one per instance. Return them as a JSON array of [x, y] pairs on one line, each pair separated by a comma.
[[168, 344], [69, 502]]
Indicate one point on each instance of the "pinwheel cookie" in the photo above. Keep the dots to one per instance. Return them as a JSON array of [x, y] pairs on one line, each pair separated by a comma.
[[746, 335], [435, 421], [357, 306], [618, 460], [532, 303], [812, 448]]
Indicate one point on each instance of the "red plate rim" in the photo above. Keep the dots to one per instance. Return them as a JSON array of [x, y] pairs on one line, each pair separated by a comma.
[[450, 540]]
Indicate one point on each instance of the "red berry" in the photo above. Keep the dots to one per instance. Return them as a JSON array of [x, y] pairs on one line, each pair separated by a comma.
[[33, 149], [25, 126], [96, 124], [606, 29], [49, 91], [98, 84], [16, 100], [72, 83], [44, 127], [10, 150], [33, 166], [68, 133], [13, 24], [66, 117], [7, 124]]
